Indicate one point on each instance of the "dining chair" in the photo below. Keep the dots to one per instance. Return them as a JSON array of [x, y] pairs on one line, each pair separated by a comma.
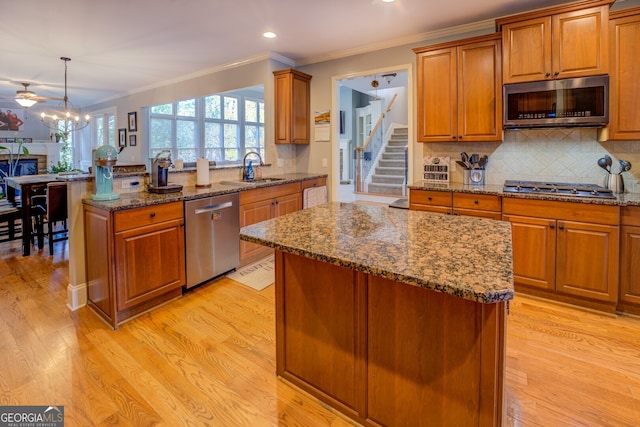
[[50, 213]]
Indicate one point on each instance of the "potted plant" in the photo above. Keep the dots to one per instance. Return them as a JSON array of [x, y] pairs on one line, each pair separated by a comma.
[[14, 159], [59, 136]]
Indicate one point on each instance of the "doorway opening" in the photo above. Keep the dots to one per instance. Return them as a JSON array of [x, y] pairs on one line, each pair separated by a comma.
[[372, 146]]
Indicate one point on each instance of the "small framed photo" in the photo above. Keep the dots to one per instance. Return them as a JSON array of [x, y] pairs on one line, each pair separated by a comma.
[[132, 140], [122, 137], [133, 121]]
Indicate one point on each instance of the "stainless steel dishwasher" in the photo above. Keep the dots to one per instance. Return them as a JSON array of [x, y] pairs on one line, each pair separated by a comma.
[[212, 237]]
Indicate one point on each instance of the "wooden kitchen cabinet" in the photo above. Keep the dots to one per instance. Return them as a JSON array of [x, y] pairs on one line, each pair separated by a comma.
[[629, 296], [430, 201], [624, 99], [292, 107], [450, 203], [478, 205], [135, 259], [460, 90], [263, 204], [556, 43], [565, 250]]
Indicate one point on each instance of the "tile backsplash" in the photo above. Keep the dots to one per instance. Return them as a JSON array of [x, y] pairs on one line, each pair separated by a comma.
[[559, 154]]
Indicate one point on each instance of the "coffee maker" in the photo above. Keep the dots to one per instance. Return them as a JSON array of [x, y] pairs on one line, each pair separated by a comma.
[[160, 165], [104, 158]]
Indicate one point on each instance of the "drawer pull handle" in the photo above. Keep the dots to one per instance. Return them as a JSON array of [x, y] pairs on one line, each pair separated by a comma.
[[476, 201], [429, 198], [152, 214]]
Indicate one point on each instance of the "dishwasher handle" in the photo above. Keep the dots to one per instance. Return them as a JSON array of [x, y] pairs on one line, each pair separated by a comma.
[[211, 208]]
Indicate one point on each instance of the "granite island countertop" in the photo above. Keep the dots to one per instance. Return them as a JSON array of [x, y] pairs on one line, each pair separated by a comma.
[[624, 199], [145, 198], [466, 257]]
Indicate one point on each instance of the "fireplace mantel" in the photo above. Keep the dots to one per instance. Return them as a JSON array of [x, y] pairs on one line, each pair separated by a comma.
[[47, 150]]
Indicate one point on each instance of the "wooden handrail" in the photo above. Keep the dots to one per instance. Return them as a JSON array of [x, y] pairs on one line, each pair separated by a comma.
[[373, 132], [395, 96]]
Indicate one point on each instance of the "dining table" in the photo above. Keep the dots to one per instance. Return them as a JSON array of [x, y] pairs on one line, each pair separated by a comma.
[[27, 186]]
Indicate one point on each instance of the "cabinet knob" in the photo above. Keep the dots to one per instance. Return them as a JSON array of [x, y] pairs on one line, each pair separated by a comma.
[[547, 74], [429, 198], [556, 73], [460, 137], [476, 201], [561, 227], [552, 226], [152, 214]]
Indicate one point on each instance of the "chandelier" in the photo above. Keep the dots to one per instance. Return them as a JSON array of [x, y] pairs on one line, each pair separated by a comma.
[[67, 122]]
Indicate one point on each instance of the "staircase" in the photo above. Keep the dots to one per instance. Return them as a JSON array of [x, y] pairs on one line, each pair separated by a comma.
[[390, 170]]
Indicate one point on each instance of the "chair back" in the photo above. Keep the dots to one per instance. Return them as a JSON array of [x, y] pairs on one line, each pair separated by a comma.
[[56, 201]]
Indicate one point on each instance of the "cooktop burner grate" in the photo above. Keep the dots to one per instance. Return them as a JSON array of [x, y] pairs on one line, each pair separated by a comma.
[[558, 188]]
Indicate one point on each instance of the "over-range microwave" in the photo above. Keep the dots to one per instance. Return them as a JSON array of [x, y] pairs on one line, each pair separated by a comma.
[[580, 101]]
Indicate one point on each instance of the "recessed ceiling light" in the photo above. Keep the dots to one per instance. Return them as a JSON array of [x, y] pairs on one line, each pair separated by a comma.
[[388, 1], [269, 35]]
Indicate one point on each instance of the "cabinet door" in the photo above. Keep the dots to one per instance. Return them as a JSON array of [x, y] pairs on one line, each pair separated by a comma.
[[300, 110], [149, 262], [587, 260], [292, 107], [253, 213], [580, 43], [527, 50], [624, 120], [630, 265], [437, 95], [287, 204], [534, 251], [480, 91]]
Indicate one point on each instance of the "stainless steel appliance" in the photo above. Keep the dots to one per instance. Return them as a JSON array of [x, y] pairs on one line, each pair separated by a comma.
[[212, 237], [558, 188], [557, 103]]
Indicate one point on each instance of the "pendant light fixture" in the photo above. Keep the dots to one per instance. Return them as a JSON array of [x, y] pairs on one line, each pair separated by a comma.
[[68, 121]]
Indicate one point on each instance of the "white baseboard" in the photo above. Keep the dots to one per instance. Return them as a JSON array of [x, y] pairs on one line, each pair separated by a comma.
[[76, 296]]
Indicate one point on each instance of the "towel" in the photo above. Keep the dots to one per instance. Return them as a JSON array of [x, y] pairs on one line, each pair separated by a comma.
[[314, 196]]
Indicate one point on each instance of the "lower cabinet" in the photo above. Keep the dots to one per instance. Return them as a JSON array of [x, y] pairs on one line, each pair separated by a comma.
[[629, 296], [467, 204], [263, 204], [135, 259], [565, 249]]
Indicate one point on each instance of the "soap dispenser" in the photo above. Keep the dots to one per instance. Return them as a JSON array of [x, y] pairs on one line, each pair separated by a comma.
[[250, 174]]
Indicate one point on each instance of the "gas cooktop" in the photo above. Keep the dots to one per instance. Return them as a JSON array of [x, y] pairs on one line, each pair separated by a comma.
[[558, 188]]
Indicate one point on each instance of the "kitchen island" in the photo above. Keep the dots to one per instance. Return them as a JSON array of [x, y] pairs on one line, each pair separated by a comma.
[[393, 317]]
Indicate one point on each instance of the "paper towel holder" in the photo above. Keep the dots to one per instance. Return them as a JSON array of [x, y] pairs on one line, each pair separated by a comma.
[[203, 181]]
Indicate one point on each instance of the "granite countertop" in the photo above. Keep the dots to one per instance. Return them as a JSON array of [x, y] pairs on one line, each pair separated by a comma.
[[624, 199], [145, 198], [466, 257]]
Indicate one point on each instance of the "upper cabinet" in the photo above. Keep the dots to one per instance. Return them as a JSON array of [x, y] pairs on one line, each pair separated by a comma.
[[555, 43], [460, 90], [292, 107], [624, 100]]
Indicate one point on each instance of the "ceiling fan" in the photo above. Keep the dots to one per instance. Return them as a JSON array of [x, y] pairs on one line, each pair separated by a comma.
[[27, 98]]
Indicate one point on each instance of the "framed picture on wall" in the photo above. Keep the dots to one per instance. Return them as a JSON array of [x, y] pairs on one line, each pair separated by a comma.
[[133, 121], [132, 140], [122, 137]]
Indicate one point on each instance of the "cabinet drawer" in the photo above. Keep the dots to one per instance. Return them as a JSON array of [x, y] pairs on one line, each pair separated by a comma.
[[270, 192], [570, 211], [317, 182], [484, 202], [429, 198], [630, 215], [140, 217]]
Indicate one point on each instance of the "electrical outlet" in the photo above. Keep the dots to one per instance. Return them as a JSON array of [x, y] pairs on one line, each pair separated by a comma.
[[129, 183], [324, 162]]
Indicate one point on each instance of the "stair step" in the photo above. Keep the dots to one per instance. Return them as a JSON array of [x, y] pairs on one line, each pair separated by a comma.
[[391, 163], [385, 189], [393, 156], [395, 149], [387, 179], [389, 171]]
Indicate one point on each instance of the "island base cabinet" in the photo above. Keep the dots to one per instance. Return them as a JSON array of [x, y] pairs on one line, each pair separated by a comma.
[[388, 353], [629, 297]]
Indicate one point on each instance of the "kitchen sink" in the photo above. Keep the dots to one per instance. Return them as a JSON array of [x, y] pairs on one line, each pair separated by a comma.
[[252, 182]]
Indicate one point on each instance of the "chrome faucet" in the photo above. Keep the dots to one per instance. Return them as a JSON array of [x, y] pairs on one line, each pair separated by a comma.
[[244, 163]]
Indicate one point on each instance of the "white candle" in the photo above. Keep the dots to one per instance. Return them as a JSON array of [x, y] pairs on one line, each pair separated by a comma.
[[202, 172]]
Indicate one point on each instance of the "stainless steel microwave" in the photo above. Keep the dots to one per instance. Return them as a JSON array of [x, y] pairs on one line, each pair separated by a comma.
[[580, 101]]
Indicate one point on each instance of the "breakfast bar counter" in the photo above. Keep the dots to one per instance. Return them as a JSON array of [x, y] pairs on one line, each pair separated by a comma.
[[392, 317]]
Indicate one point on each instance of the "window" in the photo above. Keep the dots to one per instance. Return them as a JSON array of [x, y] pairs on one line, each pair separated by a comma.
[[221, 127]]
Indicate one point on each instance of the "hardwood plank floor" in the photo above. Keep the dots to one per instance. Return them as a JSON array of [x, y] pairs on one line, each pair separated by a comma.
[[209, 358]]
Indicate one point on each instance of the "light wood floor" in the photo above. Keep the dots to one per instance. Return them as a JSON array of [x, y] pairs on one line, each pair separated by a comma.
[[209, 359]]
